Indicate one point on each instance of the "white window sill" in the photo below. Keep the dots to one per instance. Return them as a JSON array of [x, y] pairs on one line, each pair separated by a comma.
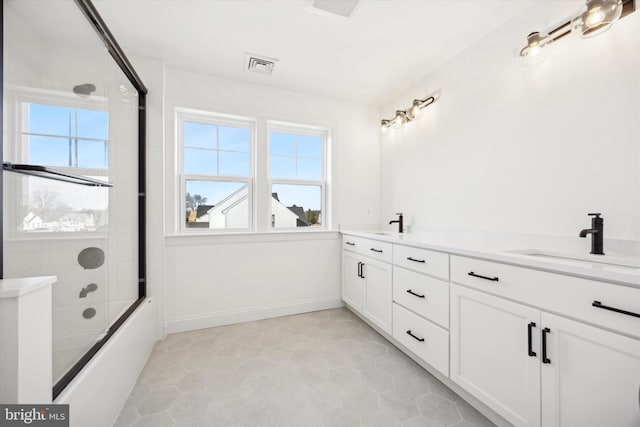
[[248, 237]]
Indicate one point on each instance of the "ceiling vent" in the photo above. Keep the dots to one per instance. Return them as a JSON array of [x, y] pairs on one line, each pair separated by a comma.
[[260, 64], [342, 9]]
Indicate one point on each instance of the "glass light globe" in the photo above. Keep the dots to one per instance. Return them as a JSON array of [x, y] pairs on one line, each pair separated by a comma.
[[536, 49], [596, 17]]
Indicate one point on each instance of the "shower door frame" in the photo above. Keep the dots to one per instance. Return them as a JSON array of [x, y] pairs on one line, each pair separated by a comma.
[[96, 21]]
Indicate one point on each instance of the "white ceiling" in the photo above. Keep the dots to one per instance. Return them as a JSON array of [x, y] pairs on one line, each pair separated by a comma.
[[386, 47]]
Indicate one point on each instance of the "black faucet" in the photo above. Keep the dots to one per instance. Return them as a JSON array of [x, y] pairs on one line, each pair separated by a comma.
[[399, 221], [596, 231]]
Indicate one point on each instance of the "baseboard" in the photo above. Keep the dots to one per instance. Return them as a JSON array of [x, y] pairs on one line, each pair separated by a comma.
[[96, 396], [250, 314]]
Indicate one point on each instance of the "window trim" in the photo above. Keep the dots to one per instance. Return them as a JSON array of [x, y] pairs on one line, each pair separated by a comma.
[[183, 115], [306, 130]]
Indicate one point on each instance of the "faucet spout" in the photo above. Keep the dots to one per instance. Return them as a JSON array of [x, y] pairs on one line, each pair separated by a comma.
[[586, 231]]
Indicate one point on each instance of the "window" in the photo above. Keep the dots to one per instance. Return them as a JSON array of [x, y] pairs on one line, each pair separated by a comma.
[[68, 138], [216, 171], [297, 175]]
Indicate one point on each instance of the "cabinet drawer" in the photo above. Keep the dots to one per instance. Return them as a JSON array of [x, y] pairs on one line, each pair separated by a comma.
[[422, 260], [368, 247], [422, 294], [427, 340], [565, 295]]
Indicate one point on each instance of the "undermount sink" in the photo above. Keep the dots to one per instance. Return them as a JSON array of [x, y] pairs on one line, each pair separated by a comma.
[[579, 259]]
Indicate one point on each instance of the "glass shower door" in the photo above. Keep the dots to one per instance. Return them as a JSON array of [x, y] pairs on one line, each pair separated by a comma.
[[68, 107]]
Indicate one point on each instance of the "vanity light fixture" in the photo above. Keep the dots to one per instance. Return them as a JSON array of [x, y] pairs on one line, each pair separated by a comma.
[[405, 116], [596, 17]]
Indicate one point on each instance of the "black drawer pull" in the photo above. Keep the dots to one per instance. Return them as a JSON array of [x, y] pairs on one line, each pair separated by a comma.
[[414, 337], [530, 326], [350, 243], [545, 359], [493, 279], [416, 260], [409, 291], [598, 304], [376, 250]]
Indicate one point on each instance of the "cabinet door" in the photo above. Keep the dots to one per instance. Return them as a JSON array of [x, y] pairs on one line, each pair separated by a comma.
[[378, 293], [352, 284], [490, 353], [592, 378]]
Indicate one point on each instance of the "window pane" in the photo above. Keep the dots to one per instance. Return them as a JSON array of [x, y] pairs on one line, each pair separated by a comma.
[[296, 206], [50, 120], [282, 144], [310, 146], [50, 151], [63, 207], [92, 154], [282, 167], [233, 163], [200, 135], [93, 124], [200, 161], [216, 204], [234, 139], [309, 168]]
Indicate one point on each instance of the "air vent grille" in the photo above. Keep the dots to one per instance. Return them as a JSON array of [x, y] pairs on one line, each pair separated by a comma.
[[260, 65]]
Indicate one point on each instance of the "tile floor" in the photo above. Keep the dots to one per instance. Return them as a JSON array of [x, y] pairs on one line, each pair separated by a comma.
[[326, 368]]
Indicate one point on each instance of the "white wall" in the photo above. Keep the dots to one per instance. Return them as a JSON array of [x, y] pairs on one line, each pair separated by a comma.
[[212, 280], [510, 148]]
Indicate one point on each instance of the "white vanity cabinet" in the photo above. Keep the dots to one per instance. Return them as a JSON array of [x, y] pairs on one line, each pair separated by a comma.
[[537, 368], [367, 279]]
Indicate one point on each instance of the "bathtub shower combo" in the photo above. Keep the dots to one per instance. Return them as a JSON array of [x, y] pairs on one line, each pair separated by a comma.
[[73, 172]]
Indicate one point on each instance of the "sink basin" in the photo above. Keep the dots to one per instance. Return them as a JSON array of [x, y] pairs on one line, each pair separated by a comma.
[[578, 259]]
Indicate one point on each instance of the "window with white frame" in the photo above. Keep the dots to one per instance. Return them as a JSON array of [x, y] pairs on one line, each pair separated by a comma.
[[216, 171], [297, 176], [71, 137]]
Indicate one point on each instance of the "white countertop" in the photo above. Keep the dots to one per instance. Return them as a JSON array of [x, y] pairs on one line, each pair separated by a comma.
[[15, 288], [500, 247]]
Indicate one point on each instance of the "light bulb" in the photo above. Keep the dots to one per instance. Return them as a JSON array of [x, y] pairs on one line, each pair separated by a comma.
[[384, 125], [594, 18]]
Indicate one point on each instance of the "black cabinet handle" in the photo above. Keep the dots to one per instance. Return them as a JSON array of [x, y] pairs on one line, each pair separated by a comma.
[[416, 260], [409, 291], [359, 269], [545, 359], [598, 304], [362, 270], [376, 250], [414, 337], [350, 243], [493, 279], [530, 327]]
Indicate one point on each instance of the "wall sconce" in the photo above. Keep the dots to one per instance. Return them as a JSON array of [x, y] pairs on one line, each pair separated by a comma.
[[405, 116], [596, 17]]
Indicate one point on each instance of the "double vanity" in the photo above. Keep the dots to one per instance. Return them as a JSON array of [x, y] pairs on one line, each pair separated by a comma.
[[539, 337]]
